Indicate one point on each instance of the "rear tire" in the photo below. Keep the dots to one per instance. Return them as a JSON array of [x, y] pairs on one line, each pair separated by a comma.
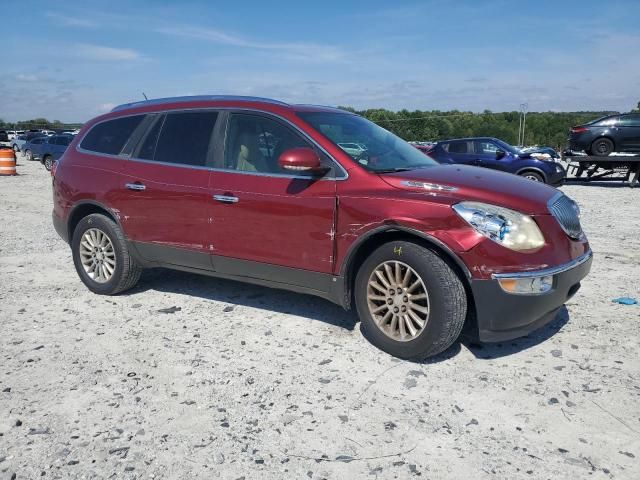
[[439, 301], [101, 256], [47, 161], [28, 155], [602, 147]]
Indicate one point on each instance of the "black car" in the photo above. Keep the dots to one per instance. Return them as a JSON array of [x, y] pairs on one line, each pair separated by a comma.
[[613, 133]]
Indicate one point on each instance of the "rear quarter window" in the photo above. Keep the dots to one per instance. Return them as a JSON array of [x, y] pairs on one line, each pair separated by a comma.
[[111, 136]]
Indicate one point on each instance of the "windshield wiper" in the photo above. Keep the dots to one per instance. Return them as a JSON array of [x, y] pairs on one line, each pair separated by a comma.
[[393, 170]]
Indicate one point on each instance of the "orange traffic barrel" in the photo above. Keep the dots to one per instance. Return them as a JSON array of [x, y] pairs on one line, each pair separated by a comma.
[[7, 162]]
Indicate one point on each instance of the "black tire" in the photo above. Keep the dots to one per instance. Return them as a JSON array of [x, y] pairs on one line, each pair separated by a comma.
[[602, 147], [47, 161], [15, 148], [533, 176], [126, 273], [28, 155], [447, 301]]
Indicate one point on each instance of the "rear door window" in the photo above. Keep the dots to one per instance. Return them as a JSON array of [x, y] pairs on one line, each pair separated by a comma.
[[184, 138], [110, 137], [458, 147]]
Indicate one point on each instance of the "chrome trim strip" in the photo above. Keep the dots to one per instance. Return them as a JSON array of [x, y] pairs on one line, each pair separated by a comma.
[[546, 271], [338, 165]]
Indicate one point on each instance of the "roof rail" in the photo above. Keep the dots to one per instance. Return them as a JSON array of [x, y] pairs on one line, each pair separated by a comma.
[[195, 98]]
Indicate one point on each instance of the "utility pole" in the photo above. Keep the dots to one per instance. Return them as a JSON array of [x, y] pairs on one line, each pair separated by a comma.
[[523, 122]]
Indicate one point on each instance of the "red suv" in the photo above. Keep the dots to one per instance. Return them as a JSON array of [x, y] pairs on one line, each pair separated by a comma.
[[260, 191]]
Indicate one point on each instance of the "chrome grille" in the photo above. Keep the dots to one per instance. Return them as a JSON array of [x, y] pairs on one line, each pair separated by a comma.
[[567, 214]]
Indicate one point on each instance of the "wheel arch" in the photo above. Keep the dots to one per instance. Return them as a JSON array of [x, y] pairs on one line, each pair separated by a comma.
[[359, 251], [83, 209], [534, 170]]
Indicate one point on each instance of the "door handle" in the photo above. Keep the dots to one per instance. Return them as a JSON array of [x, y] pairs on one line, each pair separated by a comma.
[[135, 186], [225, 198]]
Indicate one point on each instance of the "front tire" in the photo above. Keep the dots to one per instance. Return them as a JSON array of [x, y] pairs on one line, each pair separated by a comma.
[[411, 303], [533, 176], [101, 256], [28, 155], [47, 161], [602, 147]]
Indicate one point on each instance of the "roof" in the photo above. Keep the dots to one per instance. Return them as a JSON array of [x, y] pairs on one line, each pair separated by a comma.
[[196, 98], [225, 98]]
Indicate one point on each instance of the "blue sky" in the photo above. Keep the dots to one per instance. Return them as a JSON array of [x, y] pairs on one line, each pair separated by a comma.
[[73, 60]]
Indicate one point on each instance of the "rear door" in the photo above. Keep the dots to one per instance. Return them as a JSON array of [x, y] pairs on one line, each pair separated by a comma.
[[165, 189], [629, 131], [460, 151], [267, 221]]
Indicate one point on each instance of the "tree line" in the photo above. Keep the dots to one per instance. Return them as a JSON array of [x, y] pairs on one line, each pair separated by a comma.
[[542, 128]]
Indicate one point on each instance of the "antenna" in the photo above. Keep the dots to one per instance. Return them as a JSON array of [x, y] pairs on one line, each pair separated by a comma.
[[145, 96]]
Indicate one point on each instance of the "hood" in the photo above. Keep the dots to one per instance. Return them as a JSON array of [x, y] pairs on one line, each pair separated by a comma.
[[461, 182]]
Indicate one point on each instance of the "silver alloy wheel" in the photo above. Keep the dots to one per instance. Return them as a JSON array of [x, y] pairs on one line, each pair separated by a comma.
[[398, 300], [97, 255], [48, 162], [532, 177], [29, 155]]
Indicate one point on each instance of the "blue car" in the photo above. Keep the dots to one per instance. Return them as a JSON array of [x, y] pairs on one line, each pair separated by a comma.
[[494, 153], [52, 149]]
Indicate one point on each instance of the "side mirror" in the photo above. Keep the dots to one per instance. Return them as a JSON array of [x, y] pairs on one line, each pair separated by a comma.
[[500, 154], [302, 159]]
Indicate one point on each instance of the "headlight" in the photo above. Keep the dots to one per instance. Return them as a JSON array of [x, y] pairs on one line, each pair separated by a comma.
[[542, 156], [509, 228]]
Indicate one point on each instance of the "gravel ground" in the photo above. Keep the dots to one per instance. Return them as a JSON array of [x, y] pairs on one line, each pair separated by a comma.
[[247, 382]]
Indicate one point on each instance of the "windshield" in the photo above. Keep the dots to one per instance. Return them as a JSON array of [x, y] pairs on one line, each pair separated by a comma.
[[506, 147], [373, 147]]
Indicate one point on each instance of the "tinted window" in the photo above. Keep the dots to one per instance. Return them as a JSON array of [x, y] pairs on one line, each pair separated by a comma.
[[185, 138], [630, 121], [255, 143], [110, 136], [458, 147], [63, 140]]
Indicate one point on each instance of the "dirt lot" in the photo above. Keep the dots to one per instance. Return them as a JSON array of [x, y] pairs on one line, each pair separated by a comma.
[[248, 382]]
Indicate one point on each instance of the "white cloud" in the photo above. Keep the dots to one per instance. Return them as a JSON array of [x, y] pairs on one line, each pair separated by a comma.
[[68, 21], [101, 53], [301, 50], [23, 77], [106, 107]]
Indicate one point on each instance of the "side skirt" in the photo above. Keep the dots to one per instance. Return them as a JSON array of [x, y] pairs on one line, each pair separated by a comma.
[[324, 285]]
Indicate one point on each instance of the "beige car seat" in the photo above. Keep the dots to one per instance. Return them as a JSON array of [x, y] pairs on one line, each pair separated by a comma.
[[249, 157]]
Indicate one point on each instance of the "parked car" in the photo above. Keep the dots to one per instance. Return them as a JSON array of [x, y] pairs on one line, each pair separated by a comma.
[[353, 149], [418, 248], [493, 153], [32, 148], [602, 137], [4, 136], [52, 149], [47, 132]]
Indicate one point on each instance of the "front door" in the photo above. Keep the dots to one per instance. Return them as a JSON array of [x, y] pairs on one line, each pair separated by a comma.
[[485, 155], [165, 190], [268, 223]]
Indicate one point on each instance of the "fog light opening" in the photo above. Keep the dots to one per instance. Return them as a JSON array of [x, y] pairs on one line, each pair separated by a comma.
[[527, 286]]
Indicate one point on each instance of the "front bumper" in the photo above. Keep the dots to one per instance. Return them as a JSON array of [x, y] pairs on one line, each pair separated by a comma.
[[503, 316], [556, 178]]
